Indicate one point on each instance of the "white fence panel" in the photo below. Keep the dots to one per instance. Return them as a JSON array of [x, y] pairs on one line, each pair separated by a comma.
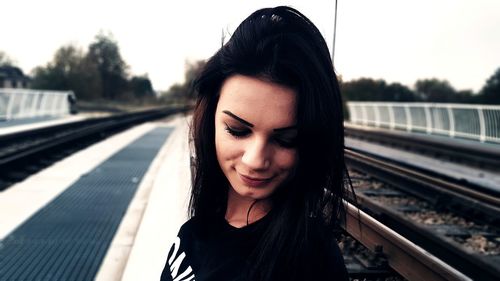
[[477, 122], [25, 103]]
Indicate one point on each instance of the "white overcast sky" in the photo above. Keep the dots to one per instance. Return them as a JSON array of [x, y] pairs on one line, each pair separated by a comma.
[[395, 40]]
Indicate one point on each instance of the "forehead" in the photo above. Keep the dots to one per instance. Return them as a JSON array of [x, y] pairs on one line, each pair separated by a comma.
[[258, 101]]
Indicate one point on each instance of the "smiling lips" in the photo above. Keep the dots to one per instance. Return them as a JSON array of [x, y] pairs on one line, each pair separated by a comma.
[[255, 182]]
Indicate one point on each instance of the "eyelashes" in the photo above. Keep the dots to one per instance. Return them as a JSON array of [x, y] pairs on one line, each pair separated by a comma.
[[241, 133], [237, 133], [286, 143]]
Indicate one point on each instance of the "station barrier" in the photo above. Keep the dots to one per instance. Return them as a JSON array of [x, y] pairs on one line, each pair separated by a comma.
[[476, 122], [25, 103]]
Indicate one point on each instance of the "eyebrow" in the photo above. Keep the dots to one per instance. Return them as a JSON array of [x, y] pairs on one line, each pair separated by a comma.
[[248, 124], [285, 129], [241, 120]]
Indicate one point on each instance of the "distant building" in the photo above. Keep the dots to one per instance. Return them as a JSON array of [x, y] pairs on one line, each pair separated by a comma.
[[13, 77]]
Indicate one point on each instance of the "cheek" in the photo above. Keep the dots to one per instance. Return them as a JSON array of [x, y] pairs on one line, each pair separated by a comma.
[[218, 141], [287, 160], [225, 147], [219, 144]]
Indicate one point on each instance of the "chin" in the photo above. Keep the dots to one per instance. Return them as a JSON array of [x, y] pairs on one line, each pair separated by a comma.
[[253, 192]]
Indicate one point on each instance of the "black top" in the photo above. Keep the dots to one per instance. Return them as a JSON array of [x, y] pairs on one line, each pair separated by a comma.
[[222, 254]]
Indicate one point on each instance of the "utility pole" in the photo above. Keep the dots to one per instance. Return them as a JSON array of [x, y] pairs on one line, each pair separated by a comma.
[[334, 32], [223, 37]]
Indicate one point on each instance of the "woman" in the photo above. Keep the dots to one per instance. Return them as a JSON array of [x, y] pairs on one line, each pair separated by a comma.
[[269, 168]]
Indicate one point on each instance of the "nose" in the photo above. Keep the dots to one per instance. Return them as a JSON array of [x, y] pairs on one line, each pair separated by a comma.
[[256, 155]]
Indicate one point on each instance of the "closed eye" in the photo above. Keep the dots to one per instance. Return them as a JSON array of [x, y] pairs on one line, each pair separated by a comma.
[[285, 142], [238, 133]]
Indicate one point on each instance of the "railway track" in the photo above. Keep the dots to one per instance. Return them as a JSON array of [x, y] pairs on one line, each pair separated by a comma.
[[408, 252], [24, 153], [466, 198], [408, 259], [443, 217], [469, 153]]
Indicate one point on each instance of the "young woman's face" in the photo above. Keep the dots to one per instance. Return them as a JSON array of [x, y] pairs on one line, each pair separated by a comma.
[[255, 135]]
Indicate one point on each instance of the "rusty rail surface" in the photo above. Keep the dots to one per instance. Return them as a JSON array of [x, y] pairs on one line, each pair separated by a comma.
[[430, 185], [436, 191], [408, 259]]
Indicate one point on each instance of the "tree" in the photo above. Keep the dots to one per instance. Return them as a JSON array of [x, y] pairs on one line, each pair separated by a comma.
[[69, 70], [101, 73], [185, 92], [465, 96], [434, 90], [490, 93], [399, 93], [363, 89], [57, 74], [105, 53], [367, 89], [141, 87], [193, 70], [5, 60]]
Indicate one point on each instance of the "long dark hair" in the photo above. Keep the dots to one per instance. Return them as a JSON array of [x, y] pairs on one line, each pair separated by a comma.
[[279, 45]]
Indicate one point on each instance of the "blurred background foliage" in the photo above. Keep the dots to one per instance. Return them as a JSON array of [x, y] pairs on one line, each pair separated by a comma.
[[424, 90], [5, 60], [100, 74], [97, 73]]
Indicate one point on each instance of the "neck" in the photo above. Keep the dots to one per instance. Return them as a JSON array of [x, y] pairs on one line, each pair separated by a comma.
[[240, 211]]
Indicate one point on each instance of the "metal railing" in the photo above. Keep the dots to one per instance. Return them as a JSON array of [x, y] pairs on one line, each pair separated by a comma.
[[24, 103], [477, 122]]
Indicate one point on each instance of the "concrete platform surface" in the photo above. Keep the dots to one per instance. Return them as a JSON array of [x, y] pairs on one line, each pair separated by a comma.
[[139, 248]]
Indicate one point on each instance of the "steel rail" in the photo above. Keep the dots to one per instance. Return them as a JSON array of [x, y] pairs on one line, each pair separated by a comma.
[[479, 153], [429, 186], [474, 265], [42, 140], [57, 135], [408, 259]]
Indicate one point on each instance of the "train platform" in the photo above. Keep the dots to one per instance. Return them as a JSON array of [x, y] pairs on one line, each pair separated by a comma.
[[108, 212], [27, 124], [456, 142], [111, 211], [459, 172]]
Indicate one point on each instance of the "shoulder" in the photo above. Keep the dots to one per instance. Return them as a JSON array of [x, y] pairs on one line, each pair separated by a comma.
[[187, 235], [188, 228], [178, 261]]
